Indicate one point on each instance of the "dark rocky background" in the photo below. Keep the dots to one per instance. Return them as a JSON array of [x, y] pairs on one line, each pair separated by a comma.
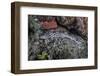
[[57, 37]]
